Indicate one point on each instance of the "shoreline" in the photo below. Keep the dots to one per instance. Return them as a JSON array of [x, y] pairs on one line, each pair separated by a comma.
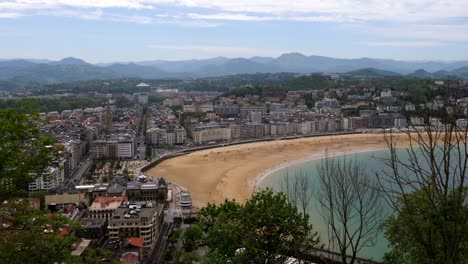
[[233, 172], [287, 164]]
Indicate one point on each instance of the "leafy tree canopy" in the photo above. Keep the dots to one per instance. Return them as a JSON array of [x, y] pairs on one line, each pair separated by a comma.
[[415, 233], [266, 229], [30, 236], [24, 151]]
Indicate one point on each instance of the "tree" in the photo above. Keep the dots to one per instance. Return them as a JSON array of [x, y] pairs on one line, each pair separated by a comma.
[[350, 205], [298, 189], [30, 236], [24, 151], [266, 229], [414, 223], [425, 185]]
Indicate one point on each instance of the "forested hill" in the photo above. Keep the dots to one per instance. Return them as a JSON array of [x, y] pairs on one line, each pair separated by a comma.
[[17, 74]]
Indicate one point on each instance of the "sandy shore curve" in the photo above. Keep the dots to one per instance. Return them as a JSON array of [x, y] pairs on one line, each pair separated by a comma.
[[231, 172]]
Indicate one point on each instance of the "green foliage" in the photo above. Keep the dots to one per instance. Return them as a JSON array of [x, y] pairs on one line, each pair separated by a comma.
[[372, 72], [48, 105], [266, 229], [176, 108], [28, 235], [26, 241], [274, 227], [126, 85], [243, 91], [191, 237], [415, 232], [24, 151], [311, 82], [155, 99]]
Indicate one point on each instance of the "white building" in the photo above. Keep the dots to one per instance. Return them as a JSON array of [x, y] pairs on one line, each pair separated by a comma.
[[416, 121], [50, 180], [193, 108], [400, 122], [166, 137], [304, 127], [410, 107], [256, 117], [117, 147], [205, 134]]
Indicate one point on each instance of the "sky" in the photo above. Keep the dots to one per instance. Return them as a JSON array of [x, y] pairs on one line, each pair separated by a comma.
[[138, 30]]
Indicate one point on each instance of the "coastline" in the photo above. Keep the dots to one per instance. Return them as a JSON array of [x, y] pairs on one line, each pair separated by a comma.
[[268, 172], [232, 172]]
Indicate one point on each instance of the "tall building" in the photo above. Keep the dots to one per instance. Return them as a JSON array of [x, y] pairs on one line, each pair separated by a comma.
[[108, 118], [137, 220], [115, 147]]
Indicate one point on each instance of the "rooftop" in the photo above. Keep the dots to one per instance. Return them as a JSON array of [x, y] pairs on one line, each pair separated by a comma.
[[92, 222], [136, 241], [81, 247], [107, 202], [137, 211]]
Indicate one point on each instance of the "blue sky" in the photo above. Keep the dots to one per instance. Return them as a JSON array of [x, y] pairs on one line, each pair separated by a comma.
[[135, 30]]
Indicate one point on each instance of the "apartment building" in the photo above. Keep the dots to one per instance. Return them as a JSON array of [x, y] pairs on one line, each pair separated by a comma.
[[116, 147], [209, 133], [137, 220], [248, 131], [47, 181], [104, 207], [166, 137]]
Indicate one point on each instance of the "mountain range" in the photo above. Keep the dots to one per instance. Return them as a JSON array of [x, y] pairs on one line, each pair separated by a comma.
[[42, 71]]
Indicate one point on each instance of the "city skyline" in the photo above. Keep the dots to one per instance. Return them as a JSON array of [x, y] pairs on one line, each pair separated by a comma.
[[133, 30]]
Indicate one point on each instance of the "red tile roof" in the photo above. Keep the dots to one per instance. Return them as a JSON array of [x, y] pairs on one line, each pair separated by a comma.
[[136, 241]]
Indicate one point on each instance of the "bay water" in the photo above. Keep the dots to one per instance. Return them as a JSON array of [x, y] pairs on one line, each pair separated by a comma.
[[374, 165]]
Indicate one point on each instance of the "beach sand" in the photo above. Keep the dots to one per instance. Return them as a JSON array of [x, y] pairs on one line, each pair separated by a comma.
[[214, 175]]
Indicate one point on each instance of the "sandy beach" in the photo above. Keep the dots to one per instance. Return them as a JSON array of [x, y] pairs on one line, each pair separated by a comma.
[[231, 172]]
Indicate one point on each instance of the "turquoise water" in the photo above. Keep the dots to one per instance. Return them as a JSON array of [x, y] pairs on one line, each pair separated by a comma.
[[373, 164]]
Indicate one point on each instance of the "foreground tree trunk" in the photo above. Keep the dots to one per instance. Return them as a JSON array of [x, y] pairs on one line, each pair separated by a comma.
[[350, 204]]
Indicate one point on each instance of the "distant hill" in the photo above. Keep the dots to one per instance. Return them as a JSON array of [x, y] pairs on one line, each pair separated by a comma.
[[421, 74], [134, 70], [40, 72], [14, 73], [69, 61], [461, 72], [58, 73], [372, 72], [236, 66]]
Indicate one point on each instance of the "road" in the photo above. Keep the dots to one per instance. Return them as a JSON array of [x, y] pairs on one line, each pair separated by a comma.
[[78, 173]]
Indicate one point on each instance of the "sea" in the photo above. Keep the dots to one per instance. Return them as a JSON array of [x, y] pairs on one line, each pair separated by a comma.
[[374, 164]]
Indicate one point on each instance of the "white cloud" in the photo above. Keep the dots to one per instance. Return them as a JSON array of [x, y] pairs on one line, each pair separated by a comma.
[[400, 19], [231, 16], [401, 43], [303, 10], [247, 17], [132, 19], [11, 15], [397, 10]]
